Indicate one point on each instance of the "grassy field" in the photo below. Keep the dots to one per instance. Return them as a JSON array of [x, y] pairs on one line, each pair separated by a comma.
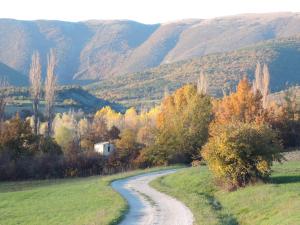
[[64, 201], [277, 202]]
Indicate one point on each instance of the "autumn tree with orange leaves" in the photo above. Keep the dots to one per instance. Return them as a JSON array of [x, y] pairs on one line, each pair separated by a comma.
[[244, 105], [242, 146]]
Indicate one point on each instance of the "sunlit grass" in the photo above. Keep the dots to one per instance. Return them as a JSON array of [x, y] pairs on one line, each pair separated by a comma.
[[64, 201], [277, 202]]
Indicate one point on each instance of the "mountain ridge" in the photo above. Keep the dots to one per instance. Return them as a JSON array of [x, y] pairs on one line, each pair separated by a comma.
[[93, 50]]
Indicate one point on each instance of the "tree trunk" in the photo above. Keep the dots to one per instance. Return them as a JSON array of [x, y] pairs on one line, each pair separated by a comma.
[[35, 117]]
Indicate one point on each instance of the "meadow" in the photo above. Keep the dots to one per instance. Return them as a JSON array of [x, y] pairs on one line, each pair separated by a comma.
[[92, 200], [273, 203], [64, 201]]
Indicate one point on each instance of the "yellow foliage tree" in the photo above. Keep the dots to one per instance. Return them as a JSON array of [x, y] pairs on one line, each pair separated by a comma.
[[241, 153], [182, 127], [131, 119], [65, 130], [112, 117]]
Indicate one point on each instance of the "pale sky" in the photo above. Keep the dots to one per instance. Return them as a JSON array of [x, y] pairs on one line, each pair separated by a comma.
[[150, 11]]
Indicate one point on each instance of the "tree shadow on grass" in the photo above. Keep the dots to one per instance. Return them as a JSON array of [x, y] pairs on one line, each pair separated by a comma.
[[285, 179], [224, 218]]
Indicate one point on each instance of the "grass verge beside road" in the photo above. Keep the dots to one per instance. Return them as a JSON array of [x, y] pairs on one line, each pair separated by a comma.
[[277, 202]]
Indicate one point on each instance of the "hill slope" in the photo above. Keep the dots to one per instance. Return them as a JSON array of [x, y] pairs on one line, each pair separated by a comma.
[[224, 70], [67, 98], [94, 50], [12, 76]]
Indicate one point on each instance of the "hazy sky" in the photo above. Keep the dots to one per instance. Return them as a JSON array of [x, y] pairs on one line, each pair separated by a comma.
[[146, 11]]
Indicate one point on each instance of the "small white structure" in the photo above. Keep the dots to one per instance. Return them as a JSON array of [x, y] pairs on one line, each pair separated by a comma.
[[104, 148]]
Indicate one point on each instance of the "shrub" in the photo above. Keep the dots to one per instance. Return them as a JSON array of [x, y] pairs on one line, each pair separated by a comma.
[[241, 153], [83, 164], [127, 149], [49, 146], [153, 156]]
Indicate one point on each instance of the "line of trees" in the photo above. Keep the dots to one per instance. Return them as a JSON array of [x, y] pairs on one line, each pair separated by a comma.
[[238, 136]]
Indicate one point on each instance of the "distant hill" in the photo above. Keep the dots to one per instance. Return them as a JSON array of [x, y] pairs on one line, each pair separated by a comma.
[[12, 76], [81, 99], [99, 50], [67, 98], [224, 70]]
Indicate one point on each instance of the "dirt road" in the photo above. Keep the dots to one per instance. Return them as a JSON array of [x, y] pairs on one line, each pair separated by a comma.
[[149, 206]]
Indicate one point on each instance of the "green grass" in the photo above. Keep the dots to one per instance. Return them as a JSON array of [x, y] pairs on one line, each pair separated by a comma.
[[63, 201], [277, 202]]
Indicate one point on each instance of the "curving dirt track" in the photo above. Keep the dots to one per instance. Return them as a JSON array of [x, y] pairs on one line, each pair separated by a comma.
[[148, 206]]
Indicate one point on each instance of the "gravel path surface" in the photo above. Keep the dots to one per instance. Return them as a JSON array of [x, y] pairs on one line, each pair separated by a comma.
[[148, 206]]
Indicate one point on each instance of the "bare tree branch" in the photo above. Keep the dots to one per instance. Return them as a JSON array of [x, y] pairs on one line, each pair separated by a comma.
[[202, 84], [3, 100], [261, 82], [257, 84], [35, 82], [50, 86], [266, 83]]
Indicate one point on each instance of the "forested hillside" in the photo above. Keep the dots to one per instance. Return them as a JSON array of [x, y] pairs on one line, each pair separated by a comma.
[[223, 70]]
